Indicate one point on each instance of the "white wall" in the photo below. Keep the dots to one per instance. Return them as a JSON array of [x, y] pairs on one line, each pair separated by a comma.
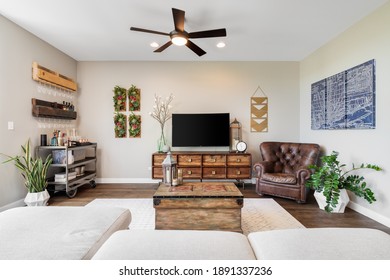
[[197, 87], [18, 49], [369, 39]]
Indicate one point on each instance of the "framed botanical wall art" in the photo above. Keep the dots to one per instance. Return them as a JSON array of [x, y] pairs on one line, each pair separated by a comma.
[[134, 125], [120, 125], [134, 95], [119, 99], [345, 100]]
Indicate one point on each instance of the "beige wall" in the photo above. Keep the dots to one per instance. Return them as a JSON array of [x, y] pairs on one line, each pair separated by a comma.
[[369, 39], [18, 49], [197, 87]]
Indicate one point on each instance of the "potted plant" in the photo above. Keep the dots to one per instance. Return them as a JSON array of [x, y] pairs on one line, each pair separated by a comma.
[[34, 173], [331, 180]]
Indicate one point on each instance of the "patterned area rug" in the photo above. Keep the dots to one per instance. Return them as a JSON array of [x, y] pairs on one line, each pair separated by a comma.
[[257, 214]]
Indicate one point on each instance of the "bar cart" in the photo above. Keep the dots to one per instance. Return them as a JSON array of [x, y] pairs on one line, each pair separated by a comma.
[[72, 167]]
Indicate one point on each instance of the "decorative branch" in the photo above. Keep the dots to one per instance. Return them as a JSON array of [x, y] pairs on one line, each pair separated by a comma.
[[162, 109]]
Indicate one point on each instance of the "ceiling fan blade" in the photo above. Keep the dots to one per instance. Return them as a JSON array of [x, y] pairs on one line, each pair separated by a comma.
[[163, 47], [178, 19], [208, 33], [148, 31], [195, 48]]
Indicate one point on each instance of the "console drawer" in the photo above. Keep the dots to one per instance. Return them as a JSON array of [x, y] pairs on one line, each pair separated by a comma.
[[214, 172], [158, 159], [192, 172], [214, 160], [238, 172], [239, 160], [189, 160], [157, 173]]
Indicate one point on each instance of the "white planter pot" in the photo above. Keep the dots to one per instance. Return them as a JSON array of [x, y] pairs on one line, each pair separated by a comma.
[[340, 207], [37, 199]]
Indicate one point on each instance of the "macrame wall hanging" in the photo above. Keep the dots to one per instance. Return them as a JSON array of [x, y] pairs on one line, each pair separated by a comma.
[[259, 111]]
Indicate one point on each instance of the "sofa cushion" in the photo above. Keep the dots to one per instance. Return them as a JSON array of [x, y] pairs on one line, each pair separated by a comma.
[[321, 244], [58, 233], [175, 245]]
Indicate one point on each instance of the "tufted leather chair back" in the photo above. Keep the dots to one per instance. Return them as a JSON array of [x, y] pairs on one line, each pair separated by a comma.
[[289, 157]]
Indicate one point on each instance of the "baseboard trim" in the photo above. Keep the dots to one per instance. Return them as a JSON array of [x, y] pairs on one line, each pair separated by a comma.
[[126, 181], [369, 213], [18, 203]]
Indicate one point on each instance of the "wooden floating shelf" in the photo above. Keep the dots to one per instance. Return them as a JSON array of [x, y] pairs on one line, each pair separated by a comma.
[[45, 109], [47, 76]]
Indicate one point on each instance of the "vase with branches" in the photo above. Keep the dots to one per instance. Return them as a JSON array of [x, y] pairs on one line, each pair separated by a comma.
[[162, 113]]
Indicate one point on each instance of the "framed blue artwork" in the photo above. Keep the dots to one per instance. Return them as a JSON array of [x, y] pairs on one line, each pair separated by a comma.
[[345, 100]]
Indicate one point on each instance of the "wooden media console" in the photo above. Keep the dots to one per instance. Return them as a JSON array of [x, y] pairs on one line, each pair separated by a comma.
[[207, 165]]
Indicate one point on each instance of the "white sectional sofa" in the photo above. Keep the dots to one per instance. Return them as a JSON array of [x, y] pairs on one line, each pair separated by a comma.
[[288, 244], [58, 233]]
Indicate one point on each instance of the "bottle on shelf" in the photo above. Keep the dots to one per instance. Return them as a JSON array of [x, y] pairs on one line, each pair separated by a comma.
[[54, 140], [60, 140]]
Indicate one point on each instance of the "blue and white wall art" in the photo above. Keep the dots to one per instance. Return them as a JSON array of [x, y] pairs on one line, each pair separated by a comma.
[[345, 100]]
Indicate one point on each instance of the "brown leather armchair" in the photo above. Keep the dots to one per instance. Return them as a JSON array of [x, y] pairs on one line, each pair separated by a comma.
[[283, 171]]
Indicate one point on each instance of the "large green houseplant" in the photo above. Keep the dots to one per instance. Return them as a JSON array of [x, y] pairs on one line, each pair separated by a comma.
[[33, 171], [332, 177]]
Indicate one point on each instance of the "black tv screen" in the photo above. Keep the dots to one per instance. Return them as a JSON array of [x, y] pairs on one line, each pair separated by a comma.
[[200, 130]]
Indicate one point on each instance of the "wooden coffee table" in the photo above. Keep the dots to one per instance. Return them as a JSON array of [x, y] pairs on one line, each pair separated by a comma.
[[199, 206]]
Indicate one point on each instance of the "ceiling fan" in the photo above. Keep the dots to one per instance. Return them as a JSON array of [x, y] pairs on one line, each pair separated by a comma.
[[181, 37]]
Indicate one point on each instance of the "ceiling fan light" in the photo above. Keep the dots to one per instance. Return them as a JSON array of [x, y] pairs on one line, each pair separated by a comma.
[[179, 40], [221, 45]]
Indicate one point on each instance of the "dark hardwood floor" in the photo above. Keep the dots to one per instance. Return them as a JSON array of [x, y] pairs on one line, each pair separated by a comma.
[[308, 214]]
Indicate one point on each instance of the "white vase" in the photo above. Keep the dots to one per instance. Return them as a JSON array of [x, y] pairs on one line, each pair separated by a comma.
[[340, 207], [37, 199]]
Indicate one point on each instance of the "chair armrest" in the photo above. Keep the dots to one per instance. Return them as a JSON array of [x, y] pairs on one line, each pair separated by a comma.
[[262, 167], [302, 173]]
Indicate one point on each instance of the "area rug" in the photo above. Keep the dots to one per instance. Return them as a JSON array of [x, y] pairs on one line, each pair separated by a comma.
[[257, 214]]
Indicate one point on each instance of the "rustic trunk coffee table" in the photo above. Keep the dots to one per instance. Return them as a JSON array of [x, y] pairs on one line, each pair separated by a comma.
[[199, 206]]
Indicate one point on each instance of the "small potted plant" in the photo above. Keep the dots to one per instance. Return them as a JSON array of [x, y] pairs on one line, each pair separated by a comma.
[[34, 173], [330, 182]]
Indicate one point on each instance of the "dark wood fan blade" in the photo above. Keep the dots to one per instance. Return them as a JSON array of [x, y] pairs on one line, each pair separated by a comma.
[[163, 47], [148, 31], [178, 19], [195, 48], [208, 33]]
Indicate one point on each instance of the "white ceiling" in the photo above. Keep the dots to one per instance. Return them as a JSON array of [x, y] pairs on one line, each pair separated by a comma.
[[257, 30]]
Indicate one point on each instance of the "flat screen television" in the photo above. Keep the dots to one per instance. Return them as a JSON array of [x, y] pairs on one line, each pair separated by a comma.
[[201, 130]]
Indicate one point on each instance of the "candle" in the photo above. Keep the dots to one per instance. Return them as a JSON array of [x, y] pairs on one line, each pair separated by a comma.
[[168, 175]]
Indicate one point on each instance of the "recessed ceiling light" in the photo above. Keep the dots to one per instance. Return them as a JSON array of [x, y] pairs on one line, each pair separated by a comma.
[[221, 45], [154, 45]]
